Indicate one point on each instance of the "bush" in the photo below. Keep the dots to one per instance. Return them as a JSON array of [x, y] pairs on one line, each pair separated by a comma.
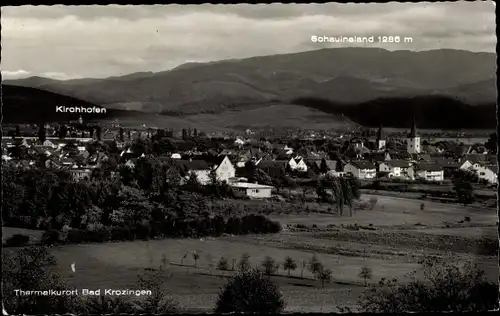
[[446, 288], [244, 263], [18, 240], [121, 233], [142, 231], [101, 305], [269, 265], [250, 292], [77, 236], [52, 237]]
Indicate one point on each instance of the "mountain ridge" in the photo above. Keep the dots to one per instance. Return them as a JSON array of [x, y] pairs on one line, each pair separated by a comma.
[[349, 75]]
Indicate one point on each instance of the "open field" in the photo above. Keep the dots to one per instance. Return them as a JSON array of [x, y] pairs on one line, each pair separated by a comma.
[[400, 235], [290, 116], [8, 232]]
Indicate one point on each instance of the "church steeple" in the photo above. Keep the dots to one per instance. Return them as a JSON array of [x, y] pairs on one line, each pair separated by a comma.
[[380, 133], [413, 141], [413, 132], [380, 139]]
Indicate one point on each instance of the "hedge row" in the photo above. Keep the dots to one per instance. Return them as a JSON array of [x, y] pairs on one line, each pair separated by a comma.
[[202, 227], [17, 240]]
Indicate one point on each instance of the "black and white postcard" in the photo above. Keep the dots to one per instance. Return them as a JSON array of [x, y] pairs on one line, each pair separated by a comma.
[[268, 158]]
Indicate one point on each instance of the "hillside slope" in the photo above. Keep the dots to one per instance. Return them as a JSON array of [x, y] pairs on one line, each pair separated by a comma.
[[349, 75]]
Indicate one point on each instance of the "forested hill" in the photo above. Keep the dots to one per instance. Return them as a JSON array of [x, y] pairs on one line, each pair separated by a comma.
[[431, 112]]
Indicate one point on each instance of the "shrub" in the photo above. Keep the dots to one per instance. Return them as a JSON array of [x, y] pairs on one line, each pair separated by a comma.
[[32, 268], [101, 305], [269, 265], [244, 263], [18, 240], [142, 231], [77, 236], [157, 303], [250, 292], [366, 274], [447, 287], [324, 275], [121, 233], [315, 265], [52, 237], [222, 265], [289, 264]]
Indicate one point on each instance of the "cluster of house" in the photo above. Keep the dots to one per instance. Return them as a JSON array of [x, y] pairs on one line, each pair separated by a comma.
[[414, 164], [361, 160]]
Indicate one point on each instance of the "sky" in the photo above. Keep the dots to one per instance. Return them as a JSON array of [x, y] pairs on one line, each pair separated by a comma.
[[65, 42]]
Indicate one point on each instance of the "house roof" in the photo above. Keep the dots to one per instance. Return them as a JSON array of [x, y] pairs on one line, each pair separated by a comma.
[[473, 158], [398, 163], [265, 164], [192, 164], [493, 168], [362, 164], [245, 185], [429, 167], [377, 156]]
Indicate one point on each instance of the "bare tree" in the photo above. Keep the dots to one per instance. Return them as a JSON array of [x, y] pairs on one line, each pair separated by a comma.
[[366, 274]]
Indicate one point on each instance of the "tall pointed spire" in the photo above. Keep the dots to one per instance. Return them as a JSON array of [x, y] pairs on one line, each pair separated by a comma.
[[413, 132]]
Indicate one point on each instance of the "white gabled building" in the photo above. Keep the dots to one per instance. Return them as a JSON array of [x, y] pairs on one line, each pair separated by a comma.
[[361, 169], [485, 172], [297, 164], [225, 170], [426, 171], [395, 168], [253, 190]]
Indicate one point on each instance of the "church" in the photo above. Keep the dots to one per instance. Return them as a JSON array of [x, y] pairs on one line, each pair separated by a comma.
[[413, 140]]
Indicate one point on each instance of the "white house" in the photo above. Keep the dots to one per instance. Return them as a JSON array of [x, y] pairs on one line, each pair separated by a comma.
[[198, 167], [175, 156], [297, 164], [361, 169], [486, 172], [225, 170], [426, 171], [253, 190], [395, 168]]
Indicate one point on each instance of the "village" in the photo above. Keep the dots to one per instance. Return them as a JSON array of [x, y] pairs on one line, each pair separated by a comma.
[[365, 158]]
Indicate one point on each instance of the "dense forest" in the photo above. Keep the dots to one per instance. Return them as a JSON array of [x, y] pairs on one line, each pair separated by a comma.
[[432, 112]]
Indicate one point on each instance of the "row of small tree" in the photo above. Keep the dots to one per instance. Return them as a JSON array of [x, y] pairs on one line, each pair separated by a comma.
[[446, 287], [269, 266]]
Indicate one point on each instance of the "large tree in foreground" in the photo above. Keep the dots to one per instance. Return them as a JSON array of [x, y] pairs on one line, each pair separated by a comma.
[[250, 292], [33, 268], [446, 287]]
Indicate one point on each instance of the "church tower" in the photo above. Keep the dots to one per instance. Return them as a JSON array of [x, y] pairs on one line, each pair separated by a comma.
[[413, 140], [380, 139]]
